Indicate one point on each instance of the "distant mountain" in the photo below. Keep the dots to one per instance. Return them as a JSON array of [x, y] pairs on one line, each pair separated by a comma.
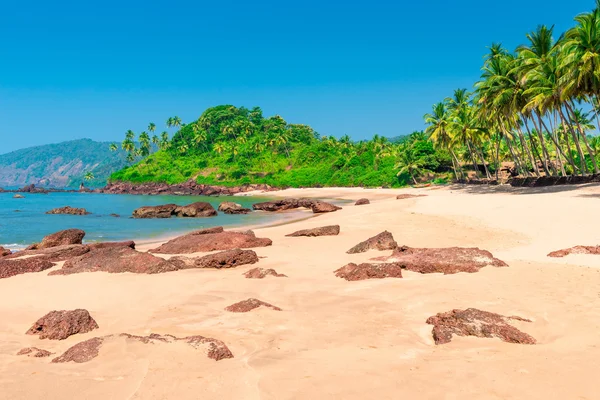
[[61, 164]]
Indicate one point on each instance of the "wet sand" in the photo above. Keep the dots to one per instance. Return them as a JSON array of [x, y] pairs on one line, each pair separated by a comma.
[[336, 339]]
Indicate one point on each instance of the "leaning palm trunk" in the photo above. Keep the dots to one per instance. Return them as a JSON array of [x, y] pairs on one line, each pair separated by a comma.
[[530, 154], [480, 154], [559, 149], [576, 140], [458, 166], [533, 146], [512, 153], [473, 159], [542, 144], [585, 141]]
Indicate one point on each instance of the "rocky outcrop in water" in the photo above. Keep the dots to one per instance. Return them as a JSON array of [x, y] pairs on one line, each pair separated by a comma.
[[249, 305], [68, 210], [354, 272], [381, 241], [211, 240], [225, 259], [449, 260], [187, 188], [473, 322], [59, 325], [229, 207], [194, 210], [68, 236], [330, 230]]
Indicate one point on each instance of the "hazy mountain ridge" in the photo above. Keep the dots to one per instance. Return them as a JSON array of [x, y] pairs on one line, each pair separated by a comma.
[[61, 164]]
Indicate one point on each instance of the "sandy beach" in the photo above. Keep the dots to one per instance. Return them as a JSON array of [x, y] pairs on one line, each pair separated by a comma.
[[336, 339]]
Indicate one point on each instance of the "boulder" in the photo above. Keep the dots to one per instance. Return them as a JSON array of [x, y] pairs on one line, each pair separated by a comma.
[[382, 241], [103, 245], [330, 230], [59, 325], [224, 259], [68, 210], [575, 250], [53, 254], [199, 209], [249, 305], [282, 205], [450, 260], [229, 207], [18, 196], [68, 236], [202, 242], [88, 350], [261, 273], [163, 211], [10, 268], [362, 202], [319, 207], [354, 272], [473, 322], [116, 260], [4, 252], [409, 196], [34, 352]]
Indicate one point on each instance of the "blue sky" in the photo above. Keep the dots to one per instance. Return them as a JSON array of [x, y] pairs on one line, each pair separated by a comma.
[[74, 69]]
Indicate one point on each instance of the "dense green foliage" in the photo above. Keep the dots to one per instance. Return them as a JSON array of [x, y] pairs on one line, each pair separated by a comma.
[[61, 164], [228, 145], [534, 107]]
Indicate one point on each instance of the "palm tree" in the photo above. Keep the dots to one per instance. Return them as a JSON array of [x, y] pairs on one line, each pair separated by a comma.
[[409, 163], [113, 147], [144, 144], [151, 127], [219, 147], [88, 176], [437, 130]]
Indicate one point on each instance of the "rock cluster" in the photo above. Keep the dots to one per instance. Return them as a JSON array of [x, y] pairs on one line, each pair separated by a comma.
[[261, 273], [199, 209], [381, 241], [575, 250], [229, 207], [34, 352], [211, 240], [187, 188], [59, 325], [449, 260], [330, 230], [249, 305], [354, 272], [474, 322], [69, 210], [316, 206]]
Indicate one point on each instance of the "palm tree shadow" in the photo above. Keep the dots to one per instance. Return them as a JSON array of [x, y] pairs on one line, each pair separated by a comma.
[[491, 189]]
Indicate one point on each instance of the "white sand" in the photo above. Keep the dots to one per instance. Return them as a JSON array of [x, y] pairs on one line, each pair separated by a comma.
[[337, 339]]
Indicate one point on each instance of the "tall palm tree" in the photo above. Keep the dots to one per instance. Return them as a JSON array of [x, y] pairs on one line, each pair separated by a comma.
[[409, 163], [437, 130]]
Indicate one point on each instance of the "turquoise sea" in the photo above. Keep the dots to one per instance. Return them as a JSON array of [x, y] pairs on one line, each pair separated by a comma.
[[23, 221]]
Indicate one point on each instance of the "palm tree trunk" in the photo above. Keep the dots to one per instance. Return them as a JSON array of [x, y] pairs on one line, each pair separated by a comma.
[[585, 141], [576, 140], [529, 153], [480, 154], [454, 164], [533, 148], [512, 152], [542, 144], [473, 160], [567, 156]]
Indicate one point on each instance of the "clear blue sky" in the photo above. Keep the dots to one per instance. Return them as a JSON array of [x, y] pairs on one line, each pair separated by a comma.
[[74, 69]]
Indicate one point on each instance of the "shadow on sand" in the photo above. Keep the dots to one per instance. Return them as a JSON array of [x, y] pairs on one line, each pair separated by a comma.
[[489, 189]]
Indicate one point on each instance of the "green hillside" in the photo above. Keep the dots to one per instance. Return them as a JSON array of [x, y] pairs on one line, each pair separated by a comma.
[[230, 146]]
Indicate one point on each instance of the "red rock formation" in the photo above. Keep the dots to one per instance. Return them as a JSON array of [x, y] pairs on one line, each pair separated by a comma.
[[53, 254], [82, 351], [200, 209], [4, 252], [69, 210], [450, 260], [331, 230], [34, 352], [409, 196], [362, 202], [116, 260], [68, 236], [59, 325], [103, 245], [249, 305], [10, 268], [162, 211], [353, 272], [261, 273], [575, 250], [195, 242], [473, 322], [319, 207], [229, 207], [382, 241], [225, 259], [283, 204]]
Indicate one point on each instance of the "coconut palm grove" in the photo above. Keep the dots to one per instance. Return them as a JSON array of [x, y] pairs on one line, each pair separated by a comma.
[[533, 112]]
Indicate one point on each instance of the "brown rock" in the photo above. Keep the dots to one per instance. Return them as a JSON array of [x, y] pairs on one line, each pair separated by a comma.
[[229, 207], [353, 272], [89, 349], [409, 196], [215, 229], [59, 325], [116, 260], [10, 268], [362, 202], [18, 196], [69, 210], [450, 260], [194, 242], [261, 273], [382, 241], [4, 252], [249, 305], [320, 207], [81, 352], [53, 254], [199, 209], [34, 352], [103, 245], [282, 205], [331, 230], [224, 259], [473, 322], [68, 236], [575, 250], [162, 211]]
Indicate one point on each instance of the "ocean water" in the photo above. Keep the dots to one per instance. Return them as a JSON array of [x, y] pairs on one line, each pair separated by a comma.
[[23, 221]]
